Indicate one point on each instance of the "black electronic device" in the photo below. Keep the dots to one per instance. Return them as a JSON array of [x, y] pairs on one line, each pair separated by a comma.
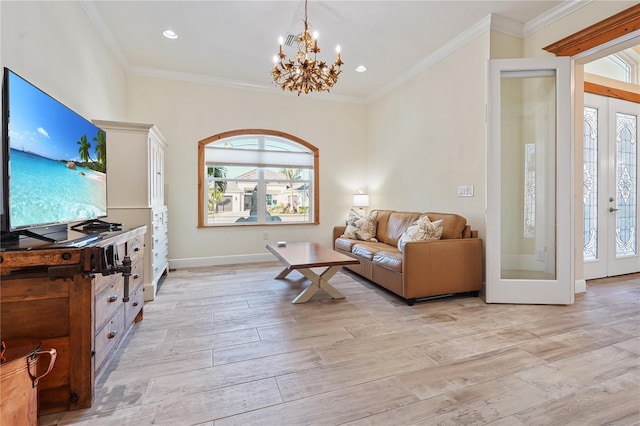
[[53, 163]]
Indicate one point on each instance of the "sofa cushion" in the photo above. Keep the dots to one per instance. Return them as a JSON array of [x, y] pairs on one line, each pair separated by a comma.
[[360, 227], [397, 224], [453, 225], [344, 244], [420, 230], [382, 219], [389, 259], [368, 249]]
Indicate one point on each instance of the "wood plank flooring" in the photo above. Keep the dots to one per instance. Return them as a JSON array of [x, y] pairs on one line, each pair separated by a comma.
[[225, 346]]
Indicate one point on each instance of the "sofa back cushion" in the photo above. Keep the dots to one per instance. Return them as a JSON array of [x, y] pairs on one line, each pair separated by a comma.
[[391, 224], [398, 223], [453, 225], [382, 218]]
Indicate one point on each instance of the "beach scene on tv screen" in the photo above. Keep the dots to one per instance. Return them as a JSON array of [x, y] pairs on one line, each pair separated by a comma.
[[57, 160]]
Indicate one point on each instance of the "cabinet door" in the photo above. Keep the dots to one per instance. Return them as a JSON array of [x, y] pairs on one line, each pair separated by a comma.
[[156, 170]]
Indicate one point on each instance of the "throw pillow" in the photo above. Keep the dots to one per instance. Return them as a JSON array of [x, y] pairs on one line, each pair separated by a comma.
[[360, 227], [421, 229]]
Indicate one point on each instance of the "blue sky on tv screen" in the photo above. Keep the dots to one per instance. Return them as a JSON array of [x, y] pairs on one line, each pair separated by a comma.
[[41, 125]]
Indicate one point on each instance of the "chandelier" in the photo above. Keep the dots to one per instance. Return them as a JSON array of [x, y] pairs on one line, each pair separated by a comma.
[[305, 74]]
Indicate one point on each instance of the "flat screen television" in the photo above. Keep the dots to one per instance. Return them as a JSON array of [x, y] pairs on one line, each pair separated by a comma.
[[54, 161]]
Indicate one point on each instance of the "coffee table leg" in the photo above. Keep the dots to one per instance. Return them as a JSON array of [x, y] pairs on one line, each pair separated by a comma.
[[318, 282], [283, 274]]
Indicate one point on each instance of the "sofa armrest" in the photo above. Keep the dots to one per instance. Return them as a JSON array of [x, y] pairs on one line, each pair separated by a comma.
[[444, 266], [337, 231]]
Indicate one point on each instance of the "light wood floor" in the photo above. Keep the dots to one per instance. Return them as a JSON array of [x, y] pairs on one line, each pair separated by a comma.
[[225, 346]]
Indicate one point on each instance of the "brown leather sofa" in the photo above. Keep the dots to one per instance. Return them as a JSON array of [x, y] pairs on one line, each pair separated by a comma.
[[450, 265]]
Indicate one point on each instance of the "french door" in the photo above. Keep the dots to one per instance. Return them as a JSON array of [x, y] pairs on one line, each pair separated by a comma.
[[610, 187], [529, 242]]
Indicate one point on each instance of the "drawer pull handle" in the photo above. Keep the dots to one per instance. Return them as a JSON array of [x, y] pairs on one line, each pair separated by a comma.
[[112, 334], [136, 276], [112, 298], [135, 303]]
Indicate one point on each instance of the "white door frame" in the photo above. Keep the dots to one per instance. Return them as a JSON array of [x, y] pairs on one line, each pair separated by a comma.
[[607, 262]]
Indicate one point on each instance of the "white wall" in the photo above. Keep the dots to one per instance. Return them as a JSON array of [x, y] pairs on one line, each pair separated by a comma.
[[188, 112], [54, 46], [428, 136]]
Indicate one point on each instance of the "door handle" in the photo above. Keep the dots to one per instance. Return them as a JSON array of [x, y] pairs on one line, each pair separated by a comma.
[[611, 210]]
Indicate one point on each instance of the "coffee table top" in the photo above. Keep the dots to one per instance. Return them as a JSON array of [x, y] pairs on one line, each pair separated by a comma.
[[306, 254]]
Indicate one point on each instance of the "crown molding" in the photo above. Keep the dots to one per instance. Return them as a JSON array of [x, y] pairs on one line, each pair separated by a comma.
[[563, 9], [103, 30], [506, 26]]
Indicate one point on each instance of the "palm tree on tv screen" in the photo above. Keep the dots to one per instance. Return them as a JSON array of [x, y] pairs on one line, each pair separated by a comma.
[[101, 150], [84, 148]]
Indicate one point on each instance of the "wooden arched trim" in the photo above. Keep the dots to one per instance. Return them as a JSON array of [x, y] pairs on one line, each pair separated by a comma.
[[224, 135], [602, 32]]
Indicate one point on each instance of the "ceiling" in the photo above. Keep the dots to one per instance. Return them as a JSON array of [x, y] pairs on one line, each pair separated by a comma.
[[232, 43]]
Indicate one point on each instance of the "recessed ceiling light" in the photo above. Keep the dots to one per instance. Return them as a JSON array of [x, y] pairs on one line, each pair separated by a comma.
[[170, 34], [361, 68]]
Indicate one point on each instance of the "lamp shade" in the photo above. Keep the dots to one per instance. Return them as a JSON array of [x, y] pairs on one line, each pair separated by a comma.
[[360, 200]]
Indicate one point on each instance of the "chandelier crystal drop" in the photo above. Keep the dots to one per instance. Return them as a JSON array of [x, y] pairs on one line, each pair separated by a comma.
[[306, 73]]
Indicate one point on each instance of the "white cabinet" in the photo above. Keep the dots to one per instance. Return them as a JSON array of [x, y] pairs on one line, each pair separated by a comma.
[[135, 191]]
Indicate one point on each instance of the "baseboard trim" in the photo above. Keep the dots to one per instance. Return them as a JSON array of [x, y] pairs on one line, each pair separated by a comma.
[[196, 262], [581, 286]]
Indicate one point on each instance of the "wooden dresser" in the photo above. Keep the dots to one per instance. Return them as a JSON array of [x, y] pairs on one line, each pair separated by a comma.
[[75, 301]]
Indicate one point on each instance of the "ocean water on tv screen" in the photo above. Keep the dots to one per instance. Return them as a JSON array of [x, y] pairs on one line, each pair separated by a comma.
[[47, 191]]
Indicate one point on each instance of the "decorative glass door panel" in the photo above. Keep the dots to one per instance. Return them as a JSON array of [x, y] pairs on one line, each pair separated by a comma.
[[610, 187], [626, 185], [529, 210]]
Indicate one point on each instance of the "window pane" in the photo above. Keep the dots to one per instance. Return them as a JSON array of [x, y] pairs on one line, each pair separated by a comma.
[[528, 131], [590, 184], [279, 144], [291, 201]]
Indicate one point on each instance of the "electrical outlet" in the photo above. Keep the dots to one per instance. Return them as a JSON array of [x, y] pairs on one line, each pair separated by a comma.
[[465, 191], [265, 235], [540, 255]]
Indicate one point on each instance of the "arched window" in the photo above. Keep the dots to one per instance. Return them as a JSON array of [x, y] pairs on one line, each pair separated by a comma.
[[257, 177], [622, 66]]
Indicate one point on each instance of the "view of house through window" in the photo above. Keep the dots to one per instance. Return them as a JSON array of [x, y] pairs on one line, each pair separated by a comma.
[[257, 177]]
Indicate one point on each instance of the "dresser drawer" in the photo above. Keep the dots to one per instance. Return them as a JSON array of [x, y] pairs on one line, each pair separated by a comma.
[[137, 275], [107, 338], [135, 303], [104, 281], [108, 300], [135, 248]]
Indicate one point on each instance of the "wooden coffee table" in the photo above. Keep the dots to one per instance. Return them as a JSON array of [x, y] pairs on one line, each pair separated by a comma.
[[302, 256]]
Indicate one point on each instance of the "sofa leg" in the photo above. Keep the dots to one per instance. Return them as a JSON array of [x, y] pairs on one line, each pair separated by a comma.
[[410, 302]]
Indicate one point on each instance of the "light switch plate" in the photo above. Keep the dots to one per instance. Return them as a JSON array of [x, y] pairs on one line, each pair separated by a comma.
[[465, 191]]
